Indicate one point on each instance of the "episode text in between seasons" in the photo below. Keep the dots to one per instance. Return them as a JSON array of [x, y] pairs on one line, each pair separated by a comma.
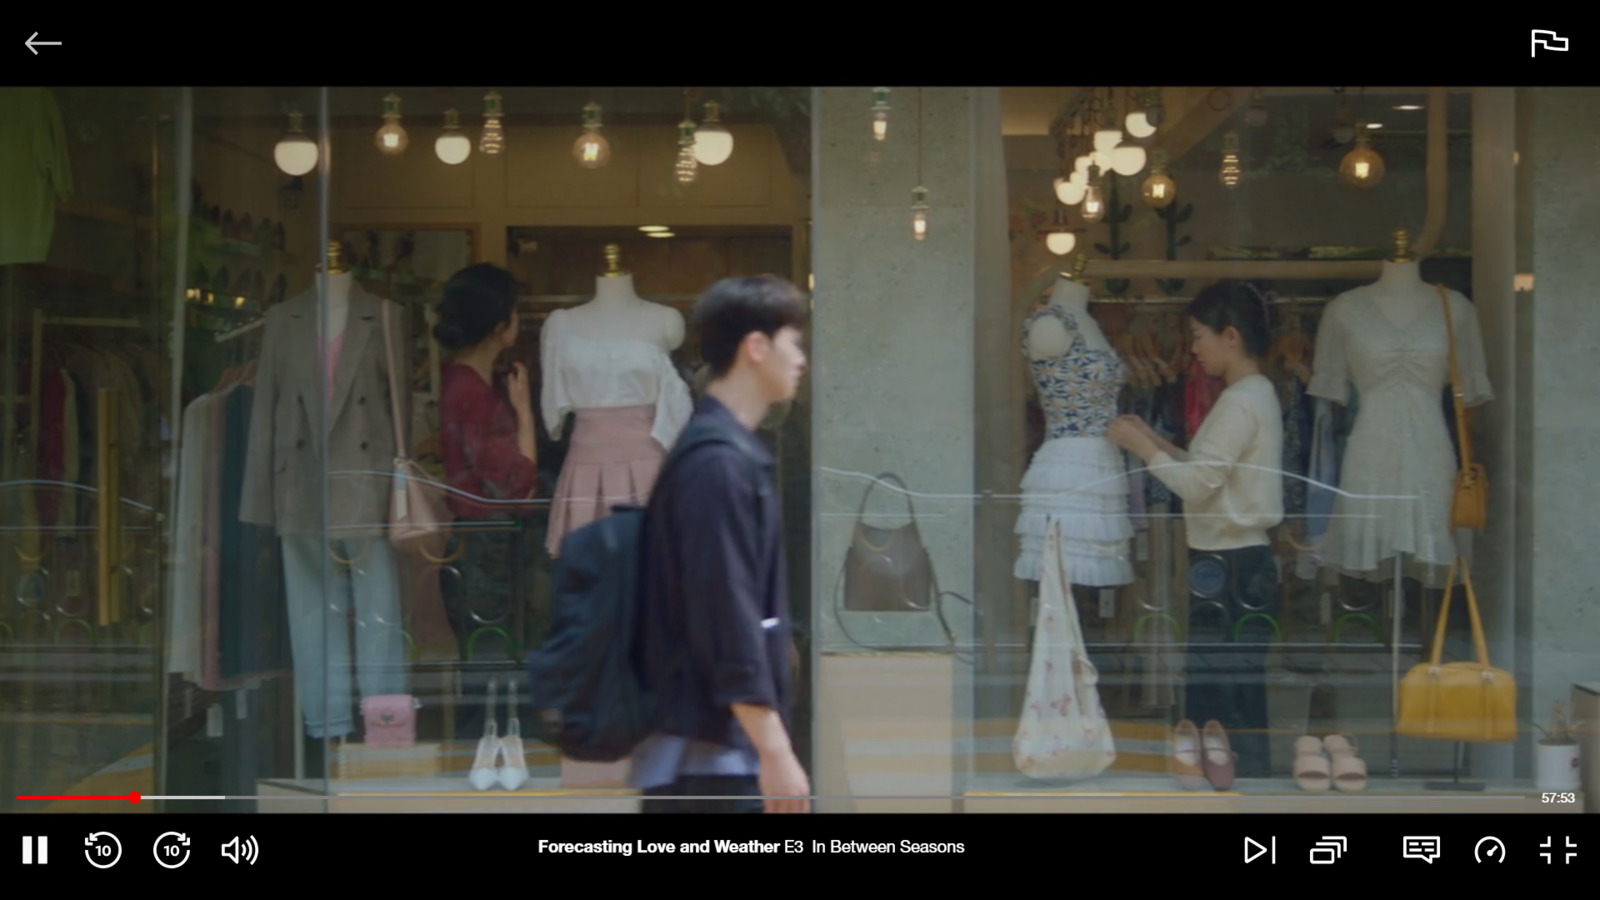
[[714, 846]]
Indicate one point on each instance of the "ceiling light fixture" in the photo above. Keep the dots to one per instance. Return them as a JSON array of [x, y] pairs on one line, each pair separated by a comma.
[[1362, 167], [662, 234], [391, 138], [648, 228], [880, 113], [1408, 107], [296, 153], [1159, 189], [688, 167], [713, 143], [591, 149], [452, 147], [494, 139], [1232, 172]]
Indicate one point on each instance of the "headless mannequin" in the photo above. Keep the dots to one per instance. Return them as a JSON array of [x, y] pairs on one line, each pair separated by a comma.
[[1402, 292], [338, 301], [1048, 336], [617, 312]]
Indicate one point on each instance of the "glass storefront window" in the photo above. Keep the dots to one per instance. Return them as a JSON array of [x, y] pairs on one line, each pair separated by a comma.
[[222, 321]]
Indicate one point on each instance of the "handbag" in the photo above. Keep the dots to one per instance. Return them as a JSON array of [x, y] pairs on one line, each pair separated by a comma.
[[390, 720], [1471, 702], [1063, 731], [889, 570], [418, 514], [1469, 504]]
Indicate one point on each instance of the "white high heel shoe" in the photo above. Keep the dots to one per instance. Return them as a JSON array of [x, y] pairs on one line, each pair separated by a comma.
[[514, 769], [483, 775]]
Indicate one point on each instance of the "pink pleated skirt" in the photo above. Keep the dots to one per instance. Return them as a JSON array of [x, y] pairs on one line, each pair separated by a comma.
[[611, 461]]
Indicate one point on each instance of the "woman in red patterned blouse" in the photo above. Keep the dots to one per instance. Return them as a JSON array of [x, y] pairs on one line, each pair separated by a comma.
[[486, 432]]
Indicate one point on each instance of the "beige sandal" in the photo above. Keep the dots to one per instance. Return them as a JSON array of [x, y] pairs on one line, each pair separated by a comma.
[[1185, 761], [1349, 771], [1312, 769]]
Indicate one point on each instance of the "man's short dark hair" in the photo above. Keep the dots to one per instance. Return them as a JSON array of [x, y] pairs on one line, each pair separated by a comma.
[[733, 308]]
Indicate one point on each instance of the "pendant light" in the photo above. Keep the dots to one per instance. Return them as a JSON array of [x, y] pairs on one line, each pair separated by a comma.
[[1107, 139], [493, 140], [713, 143], [880, 114], [1231, 172], [296, 153], [1362, 167], [1159, 190], [1060, 241], [452, 147], [1256, 115], [1070, 191], [1137, 122], [688, 167], [391, 139], [591, 149], [1094, 204], [1155, 113], [919, 194], [1128, 160]]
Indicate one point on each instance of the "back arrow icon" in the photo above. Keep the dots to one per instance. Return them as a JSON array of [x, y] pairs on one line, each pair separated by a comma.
[[33, 43]]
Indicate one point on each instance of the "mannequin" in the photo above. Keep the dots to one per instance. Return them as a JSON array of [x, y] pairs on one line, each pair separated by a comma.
[[608, 362], [1077, 476], [287, 466], [1388, 340]]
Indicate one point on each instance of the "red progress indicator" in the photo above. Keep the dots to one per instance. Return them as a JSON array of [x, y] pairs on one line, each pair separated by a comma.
[[131, 797]]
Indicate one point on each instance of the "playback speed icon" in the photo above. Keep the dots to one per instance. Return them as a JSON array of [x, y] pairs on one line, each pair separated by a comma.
[[242, 851]]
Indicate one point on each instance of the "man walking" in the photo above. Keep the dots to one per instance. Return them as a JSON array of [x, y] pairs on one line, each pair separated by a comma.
[[715, 634]]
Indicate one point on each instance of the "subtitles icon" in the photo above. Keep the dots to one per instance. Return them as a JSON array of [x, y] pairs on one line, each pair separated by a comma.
[[1423, 848], [1327, 851]]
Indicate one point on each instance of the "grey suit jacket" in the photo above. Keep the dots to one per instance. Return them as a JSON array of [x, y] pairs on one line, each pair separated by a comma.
[[299, 443]]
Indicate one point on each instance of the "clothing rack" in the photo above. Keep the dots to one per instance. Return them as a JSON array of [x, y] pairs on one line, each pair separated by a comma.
[[242, 330], [1184, 301]]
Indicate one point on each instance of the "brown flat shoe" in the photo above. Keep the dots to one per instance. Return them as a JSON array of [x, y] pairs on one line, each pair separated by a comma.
[[1219, 760]]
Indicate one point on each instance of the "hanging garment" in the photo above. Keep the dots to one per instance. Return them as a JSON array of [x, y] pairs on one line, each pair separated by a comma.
[[1063, 732], [35, 172], [1078, 478], [1398, 472]]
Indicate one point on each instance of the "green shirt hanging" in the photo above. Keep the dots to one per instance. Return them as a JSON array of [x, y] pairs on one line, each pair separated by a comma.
[[35, 172]]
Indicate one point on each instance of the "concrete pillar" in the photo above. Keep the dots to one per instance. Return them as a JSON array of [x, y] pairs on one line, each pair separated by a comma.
[[1559, 409], [898, 333]]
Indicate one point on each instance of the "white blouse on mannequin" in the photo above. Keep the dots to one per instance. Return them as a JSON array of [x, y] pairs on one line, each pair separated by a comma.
[[588, 371]]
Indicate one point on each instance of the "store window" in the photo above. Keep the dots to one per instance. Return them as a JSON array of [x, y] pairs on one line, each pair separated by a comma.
[[223, 313]]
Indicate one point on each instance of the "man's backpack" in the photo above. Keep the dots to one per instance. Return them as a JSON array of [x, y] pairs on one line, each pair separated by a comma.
[[588, 694]]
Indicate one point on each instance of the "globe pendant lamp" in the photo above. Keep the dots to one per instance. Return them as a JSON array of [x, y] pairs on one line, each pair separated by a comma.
[[1128, 160], [296, 154], [452, 147], [713, 143]]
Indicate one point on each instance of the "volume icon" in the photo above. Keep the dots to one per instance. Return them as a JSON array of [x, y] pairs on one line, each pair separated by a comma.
[[239, 851]]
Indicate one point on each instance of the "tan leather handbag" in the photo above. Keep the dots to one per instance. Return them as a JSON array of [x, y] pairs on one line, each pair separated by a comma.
[[418, 513], [1471, 702], [888, 570], [1469, 504]]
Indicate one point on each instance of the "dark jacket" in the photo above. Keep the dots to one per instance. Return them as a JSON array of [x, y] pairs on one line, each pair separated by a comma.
[[716, 613]]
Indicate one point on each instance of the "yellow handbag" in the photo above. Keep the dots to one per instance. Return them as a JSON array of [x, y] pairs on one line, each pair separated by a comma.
[[1469, 503], [1460, 701]]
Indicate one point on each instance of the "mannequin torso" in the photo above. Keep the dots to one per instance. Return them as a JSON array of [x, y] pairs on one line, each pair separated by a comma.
[[618, 313], [1402, 294], [1048, 336], [338, 304]]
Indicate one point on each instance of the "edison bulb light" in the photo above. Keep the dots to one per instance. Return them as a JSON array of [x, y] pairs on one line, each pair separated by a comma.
[[391, 139], [1159, 190], [1138, 124], [493, 140], [296, 154], [591, 149], [1094, 204], [1128, 160], [1362, 167], [1061, 242], [452, 147], [1231, 172], [880, 113], [713, 143], [688, 167]]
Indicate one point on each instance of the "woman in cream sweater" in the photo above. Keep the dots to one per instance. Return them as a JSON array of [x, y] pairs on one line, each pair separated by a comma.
[[1231, 482]]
